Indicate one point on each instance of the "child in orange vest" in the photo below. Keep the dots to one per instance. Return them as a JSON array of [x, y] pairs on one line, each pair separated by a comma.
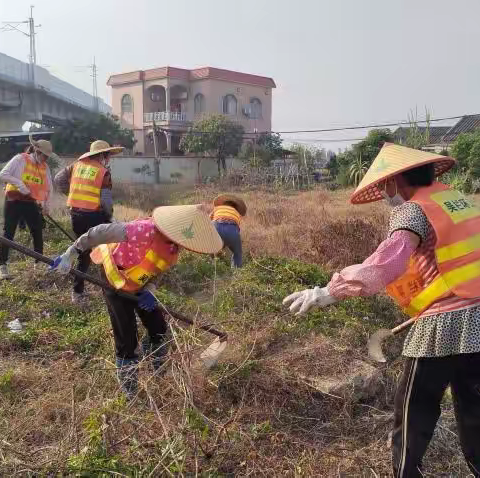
[[227, 212]]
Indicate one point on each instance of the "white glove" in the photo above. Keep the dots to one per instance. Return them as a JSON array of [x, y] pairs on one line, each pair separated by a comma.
[[301, 302], [64, 263], [24, 189], [45, 210]]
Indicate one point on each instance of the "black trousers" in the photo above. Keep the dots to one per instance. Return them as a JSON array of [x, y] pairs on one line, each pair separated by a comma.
[[124, 324], [417, 409], [81, 223], [29, 211]]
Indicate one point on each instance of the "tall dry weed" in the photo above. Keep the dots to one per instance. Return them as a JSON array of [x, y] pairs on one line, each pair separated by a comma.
[[316, 226]]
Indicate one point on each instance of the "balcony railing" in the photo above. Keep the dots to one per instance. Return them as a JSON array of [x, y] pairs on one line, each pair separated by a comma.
[[164, 116]]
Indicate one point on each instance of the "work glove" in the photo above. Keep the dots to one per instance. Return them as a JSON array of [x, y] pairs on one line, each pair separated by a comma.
[[64, 263], [146, 300], [301, 302], [24, 190]]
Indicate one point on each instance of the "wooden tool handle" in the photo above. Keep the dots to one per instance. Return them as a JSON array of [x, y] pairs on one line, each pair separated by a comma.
[[403, 326], [104, 285]]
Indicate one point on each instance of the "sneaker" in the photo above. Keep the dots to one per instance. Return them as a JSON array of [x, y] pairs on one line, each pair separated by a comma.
[[156, 353], [4, 272], [127, 376]]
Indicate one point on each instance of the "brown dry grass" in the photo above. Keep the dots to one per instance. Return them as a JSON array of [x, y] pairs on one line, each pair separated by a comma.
[[61, 410], [316, 226]]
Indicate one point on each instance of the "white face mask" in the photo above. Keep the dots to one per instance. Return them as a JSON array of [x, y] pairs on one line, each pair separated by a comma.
[[395, 200]]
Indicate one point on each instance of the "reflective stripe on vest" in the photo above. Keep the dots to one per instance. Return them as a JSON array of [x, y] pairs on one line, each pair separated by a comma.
[[133, 278], [226, 213], [34, 177], [439, 288], [86, 185], [456, 222]]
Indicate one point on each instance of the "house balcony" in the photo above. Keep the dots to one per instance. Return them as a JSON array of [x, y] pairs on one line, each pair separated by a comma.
[[165, 116]]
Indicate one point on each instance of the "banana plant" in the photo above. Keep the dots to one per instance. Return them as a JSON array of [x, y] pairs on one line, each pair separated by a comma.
[[357, 170]]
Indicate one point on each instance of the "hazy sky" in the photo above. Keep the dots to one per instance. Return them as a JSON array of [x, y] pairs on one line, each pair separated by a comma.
[[335, 62]]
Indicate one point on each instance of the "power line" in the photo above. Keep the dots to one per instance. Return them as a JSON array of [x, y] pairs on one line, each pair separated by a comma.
[[383, 125], [324, 140], [253, 134]]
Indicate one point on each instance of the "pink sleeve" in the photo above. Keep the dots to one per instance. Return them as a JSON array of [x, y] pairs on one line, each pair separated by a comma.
[[140, 232], [386, 264]]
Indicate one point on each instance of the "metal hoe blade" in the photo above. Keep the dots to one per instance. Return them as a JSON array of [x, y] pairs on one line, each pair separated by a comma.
[[211, 354], [375, 344]]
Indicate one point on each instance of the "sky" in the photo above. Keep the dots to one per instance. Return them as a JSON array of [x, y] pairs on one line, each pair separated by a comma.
[[335, 62]]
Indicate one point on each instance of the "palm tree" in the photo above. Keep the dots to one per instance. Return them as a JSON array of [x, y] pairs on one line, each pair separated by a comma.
[[357, 170]]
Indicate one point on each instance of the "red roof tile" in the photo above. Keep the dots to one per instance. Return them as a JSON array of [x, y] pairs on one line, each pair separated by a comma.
[[197, 74]]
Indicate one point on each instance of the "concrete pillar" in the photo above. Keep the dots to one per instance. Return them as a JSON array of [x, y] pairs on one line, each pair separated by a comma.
[[167, 99], [11, 121], [169, 141]]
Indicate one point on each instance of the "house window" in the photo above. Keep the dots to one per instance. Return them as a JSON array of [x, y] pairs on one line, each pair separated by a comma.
[[127, 104], [199, 103], [255, 108], [156, 94], [229, 105]]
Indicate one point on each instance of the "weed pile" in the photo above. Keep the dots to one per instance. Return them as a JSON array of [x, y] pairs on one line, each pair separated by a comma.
[[257, 413]]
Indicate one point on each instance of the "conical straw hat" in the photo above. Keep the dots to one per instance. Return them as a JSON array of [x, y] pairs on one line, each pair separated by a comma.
[[101, 146], [240, 203], [189, 227], [392, 160], [43, 146]]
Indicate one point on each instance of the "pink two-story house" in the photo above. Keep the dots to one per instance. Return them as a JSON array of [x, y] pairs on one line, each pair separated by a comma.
[[175, 97]]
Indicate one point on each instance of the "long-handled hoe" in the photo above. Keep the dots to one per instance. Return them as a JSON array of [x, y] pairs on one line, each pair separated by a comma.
[[208, 357]]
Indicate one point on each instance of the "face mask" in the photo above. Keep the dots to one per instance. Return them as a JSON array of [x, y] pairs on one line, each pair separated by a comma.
[[394, 201]]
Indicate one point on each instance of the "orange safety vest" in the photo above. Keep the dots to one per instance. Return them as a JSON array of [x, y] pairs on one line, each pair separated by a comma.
[[228, 213], [157, 259], [86, 184], [35, 178], [456, 221]]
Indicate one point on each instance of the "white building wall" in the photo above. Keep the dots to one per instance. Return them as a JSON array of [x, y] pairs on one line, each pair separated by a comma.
[[140, 169]]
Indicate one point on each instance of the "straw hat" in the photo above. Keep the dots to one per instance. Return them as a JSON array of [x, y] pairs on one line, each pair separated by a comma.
[[100, 146], [392, 160], [189, 227], [223, 198], [43, 146]]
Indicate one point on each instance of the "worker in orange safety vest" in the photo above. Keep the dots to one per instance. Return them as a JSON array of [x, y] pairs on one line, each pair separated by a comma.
[[430, 265], [88, 185], [28, 191], [132, 255]]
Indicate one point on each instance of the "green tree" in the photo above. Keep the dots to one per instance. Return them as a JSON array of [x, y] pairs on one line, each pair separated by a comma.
[[216, 136], [367, 149], [76, 135], [464, 150], [262, 150], [272, 143], [474, 158], [371, 145], [306, 155], [357, 170]]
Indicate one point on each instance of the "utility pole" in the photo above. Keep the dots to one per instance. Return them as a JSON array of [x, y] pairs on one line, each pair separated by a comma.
[[156, 159], [94, 86], [15, 26], [33, 51], [255, 146]]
